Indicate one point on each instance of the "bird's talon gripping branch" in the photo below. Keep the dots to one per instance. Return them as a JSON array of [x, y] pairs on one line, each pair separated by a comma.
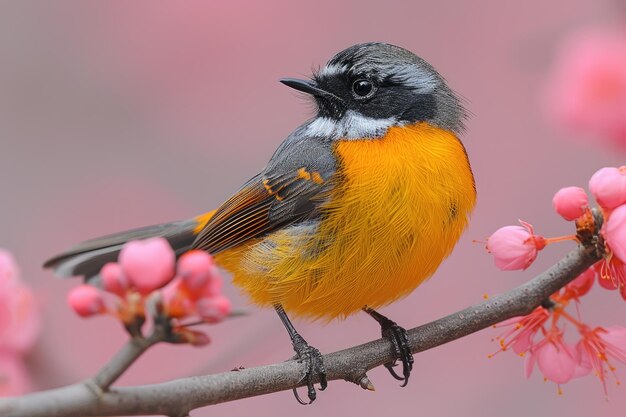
[[315, 368], [399, 339], [309, 355]]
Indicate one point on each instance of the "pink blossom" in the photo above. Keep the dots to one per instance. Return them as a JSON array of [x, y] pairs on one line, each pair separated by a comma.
[[556, 360], [148, 264], [608, 186], [520, 336], [196, 268], [86, 300], [601, 345], [20, 322], [113, 279], [587, 87], [612, 274], [570, 202], [14, 379], [515, 247], [144, 280], [213, 309], [9, 271], [615, 232]]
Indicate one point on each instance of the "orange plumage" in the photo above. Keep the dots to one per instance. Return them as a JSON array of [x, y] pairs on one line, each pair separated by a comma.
[[398, 206]]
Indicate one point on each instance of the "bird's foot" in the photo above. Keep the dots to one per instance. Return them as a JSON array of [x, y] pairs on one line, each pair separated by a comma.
[[399, 338], [315, 369]]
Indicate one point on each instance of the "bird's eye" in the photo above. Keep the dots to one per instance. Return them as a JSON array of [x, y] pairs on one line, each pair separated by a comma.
[[362, 87]]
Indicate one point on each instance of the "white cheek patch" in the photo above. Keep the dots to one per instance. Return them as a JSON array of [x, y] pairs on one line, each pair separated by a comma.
[[352, 125]]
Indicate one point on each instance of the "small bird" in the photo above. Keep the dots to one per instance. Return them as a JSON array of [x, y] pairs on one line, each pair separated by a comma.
[[355, 209]]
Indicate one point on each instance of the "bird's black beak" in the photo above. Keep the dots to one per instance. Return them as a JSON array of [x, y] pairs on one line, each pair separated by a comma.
[[310, 87]]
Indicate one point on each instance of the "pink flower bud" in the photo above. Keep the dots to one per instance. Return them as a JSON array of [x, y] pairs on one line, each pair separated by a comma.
[[570, 202], [615, 232], [514, 247], [608, 186], [195, 268], [113, 279], [86, 300], [215, 284], [148, 264], [213, 309]]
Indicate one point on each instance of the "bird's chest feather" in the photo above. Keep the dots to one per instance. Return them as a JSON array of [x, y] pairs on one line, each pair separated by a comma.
[[401, 203], [397, 207]]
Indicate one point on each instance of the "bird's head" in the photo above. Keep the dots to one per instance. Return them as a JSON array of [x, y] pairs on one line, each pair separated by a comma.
[[369, 87]]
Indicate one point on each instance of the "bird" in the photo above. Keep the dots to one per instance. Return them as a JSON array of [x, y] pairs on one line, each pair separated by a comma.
[[355, 209]]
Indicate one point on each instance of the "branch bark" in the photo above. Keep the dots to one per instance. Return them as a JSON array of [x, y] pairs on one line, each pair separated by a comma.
[[178, 397]]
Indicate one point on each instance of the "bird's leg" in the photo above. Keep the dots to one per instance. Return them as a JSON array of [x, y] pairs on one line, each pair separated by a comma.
[[398, 337], [307, 354]]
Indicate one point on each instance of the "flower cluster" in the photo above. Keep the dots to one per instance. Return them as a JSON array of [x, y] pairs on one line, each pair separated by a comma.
[[148, 281], [539, 337], [19, 327]]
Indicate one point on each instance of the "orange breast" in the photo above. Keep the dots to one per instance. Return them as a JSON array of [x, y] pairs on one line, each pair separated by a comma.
[[399, 205]]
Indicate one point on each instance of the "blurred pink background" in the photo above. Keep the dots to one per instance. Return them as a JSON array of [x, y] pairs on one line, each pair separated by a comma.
[[121, 114]]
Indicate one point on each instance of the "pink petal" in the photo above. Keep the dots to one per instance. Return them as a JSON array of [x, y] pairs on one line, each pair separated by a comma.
[[523, 341], [148, 264], [195, 268], [587, 89], [616, 336], [615, 232], [20, 333], [557, 362], [213, 309], [608, 186], [214, 287], [113, 279], [86, 300], [584, 366], [9, 271], [512, 248], [529, 364], [570, 202], [14, 379]]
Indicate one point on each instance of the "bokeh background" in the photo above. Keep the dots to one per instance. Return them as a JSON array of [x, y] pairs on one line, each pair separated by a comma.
[[120, 114]]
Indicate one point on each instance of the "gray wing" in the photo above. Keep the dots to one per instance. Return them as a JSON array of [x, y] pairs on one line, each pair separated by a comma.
[[291, 189]]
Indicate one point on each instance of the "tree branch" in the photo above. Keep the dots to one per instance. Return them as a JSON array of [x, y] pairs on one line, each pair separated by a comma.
[[129, 353], [178, 397]]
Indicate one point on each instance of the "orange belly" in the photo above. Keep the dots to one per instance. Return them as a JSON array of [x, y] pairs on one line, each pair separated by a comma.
[[398, 207]]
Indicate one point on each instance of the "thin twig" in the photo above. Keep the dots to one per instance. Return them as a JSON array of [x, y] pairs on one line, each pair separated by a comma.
[[179, 396], [122, 360]]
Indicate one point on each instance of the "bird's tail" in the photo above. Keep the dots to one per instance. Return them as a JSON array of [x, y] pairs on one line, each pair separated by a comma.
[[87, 258]]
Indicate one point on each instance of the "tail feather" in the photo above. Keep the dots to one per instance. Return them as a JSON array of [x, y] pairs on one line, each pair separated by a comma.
[[87, 258]]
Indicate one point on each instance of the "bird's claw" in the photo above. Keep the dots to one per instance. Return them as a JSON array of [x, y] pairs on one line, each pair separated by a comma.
[[399, 339], [314, 368]]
